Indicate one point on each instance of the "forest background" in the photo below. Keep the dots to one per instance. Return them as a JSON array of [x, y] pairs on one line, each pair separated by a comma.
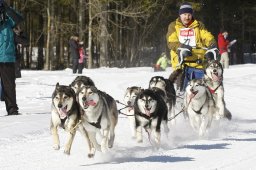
[[124, 33]]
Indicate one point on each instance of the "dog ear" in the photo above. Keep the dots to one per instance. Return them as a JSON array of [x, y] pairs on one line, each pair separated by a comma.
[[57, 85], [140, 89], [94, 89], [203, 82], [90, 81]]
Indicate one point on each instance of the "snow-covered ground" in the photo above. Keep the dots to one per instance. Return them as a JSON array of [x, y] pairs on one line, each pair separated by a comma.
[[26, 142]]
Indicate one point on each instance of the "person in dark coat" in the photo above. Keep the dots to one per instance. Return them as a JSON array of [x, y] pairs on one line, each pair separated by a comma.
[[20, 40], [74, 51], [9, 18]]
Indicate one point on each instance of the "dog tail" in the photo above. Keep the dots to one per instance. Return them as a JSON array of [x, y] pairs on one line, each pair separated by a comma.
[[174, 75], [227, 114]]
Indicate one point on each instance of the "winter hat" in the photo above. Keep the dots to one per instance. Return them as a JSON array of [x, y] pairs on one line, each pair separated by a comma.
[[186, 8]]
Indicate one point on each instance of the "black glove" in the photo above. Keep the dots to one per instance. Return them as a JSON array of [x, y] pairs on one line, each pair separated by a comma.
[[186, 46], [184, 50], [212, 53]]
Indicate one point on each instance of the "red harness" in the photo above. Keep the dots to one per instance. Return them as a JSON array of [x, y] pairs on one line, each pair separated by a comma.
[[213, 90]]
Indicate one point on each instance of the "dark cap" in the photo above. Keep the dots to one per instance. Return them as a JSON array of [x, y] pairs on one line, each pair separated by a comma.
[[186, 8]]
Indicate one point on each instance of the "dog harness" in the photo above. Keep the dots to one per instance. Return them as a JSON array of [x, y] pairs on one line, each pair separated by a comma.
[[213, 90], [97, 124]]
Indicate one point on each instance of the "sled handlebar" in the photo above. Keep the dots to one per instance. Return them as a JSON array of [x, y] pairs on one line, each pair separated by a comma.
[[208, 50]]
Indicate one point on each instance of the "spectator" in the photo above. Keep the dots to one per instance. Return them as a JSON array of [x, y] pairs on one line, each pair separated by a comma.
[[81, 57], [9, 18], [74, 51], [223, 47], [161, 63], [20, 40]]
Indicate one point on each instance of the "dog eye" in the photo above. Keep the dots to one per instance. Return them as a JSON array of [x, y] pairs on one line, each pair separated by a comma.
[[57, 98], [65, 97], [90, 92]]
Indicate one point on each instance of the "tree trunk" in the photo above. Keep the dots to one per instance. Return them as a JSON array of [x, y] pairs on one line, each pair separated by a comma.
[[90, 35], [103, 37], [47, 64]]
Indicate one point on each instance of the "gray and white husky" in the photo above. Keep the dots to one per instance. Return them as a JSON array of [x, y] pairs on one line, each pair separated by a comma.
[[170, 94], [199, 105], [150, 110], [100, 116], [129, 98], [81, 81], [214, 81], [65, 114]]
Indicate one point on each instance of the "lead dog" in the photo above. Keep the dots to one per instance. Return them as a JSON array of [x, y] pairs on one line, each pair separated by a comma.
[[170, 94], [129, 98], [199, 106], [65, 113], [100, 116], [150, 110], [214, 81]]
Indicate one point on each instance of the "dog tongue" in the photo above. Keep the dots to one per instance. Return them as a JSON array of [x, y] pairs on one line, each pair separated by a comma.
[[147, 112], [63, 112], [215, 77], [92, 103]]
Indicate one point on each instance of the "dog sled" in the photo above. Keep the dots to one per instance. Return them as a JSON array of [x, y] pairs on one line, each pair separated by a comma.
[[186, 73]]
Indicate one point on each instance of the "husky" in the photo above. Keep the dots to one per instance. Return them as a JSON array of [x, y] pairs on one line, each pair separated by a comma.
[[65, 114], [214, 81], [150, 110], [129, 98], [199, 106], [100, 116], [81, 81], [170, 94]]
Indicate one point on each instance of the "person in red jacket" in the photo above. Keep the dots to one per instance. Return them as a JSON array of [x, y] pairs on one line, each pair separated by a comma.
[[223, 45]]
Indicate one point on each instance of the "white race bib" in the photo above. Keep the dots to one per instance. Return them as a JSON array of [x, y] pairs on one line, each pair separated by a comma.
[[188, 36]]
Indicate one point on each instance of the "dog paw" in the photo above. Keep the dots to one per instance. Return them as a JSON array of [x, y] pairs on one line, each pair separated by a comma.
[[217, 117], [110, 145], [140, 141], [90, 155], [56, 147], [104, 149], [67, 152]]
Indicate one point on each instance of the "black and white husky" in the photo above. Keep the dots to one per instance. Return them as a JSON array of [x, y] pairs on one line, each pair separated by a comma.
[[214, 81], [100, 116], [150, 110], [170, 94], [81, 81], [129, 98], [65, 114], [199, 106]]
